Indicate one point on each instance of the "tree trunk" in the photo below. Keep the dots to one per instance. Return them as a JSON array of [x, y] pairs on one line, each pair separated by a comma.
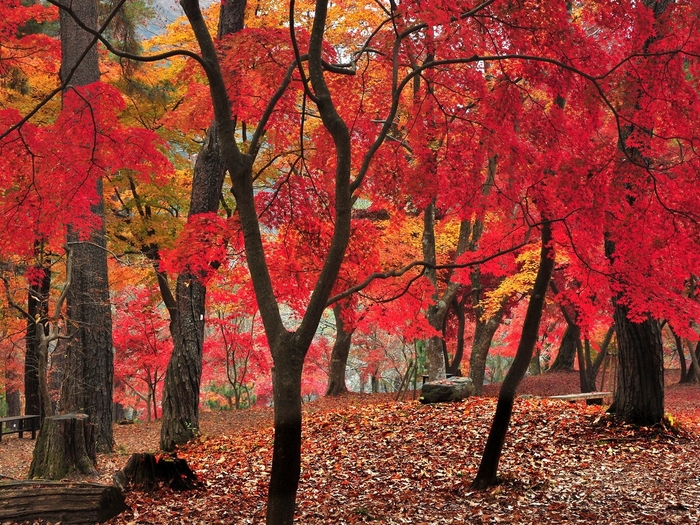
[[339, 356], [286, 455], [180, 421], [29, 501], [12, 393], [37, 308], [180, 413], [66, 445], [691, 376], [567, 349], [454, 367], [639, 398], [681, 357], [483, 335], [488, 469], [88, 373]]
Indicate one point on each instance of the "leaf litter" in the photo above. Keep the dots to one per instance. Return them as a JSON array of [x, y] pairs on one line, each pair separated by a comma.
[[368, 459]]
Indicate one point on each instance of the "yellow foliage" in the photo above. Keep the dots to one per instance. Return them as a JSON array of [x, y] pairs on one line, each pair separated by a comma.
[[519, 283]]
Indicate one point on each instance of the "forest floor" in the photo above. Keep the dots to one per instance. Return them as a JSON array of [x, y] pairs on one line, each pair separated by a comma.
[[369, 459]]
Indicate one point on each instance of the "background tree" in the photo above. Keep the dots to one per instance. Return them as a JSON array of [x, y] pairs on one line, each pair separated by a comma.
[[88, 367]]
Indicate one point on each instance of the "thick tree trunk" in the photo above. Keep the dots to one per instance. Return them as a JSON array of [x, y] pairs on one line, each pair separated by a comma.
[[88, 366], [339, 356], [488, 469], [639, 398], [66, 445], [183, 376], [29, 501]]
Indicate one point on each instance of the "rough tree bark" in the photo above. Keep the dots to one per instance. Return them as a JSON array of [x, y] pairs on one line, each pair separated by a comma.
[[339, 356], [65, 445], [88, 366], [180, 421], [639, 397], [488, 469]]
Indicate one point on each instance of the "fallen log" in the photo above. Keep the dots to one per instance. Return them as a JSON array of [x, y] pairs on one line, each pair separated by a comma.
[[67, 502]]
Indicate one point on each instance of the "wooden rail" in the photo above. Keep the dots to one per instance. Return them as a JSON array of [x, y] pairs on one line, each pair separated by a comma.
[[24, 424]]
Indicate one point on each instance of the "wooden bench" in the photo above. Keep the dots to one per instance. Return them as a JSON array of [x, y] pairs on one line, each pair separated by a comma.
[[23, 424], [583, 397]]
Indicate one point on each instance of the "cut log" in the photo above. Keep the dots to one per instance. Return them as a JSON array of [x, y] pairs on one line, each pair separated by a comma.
[[148, 471], [66, 445], [444, 390], [56, 501]]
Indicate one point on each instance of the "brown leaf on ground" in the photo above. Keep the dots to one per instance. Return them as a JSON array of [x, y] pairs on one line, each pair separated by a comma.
[[370, 459]]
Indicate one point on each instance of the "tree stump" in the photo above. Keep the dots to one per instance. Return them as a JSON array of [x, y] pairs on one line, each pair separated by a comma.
[[66, 445], [148, 471], [59, 502]]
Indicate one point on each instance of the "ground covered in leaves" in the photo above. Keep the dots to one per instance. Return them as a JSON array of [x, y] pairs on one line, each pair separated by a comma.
[[369, 459]]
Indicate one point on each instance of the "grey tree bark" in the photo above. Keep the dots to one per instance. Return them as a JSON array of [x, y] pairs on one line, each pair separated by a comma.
[[339, 356], [88, 366], [183, 375]]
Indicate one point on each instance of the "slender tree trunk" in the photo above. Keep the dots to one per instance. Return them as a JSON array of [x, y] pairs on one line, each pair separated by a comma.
[[339, 356], [88, 373], [37, 308], [483, 336], [488, 469], [681, 357], [180, 414], [454, 367], [691, 377], [567, 349], [694, 362], [12, 394]]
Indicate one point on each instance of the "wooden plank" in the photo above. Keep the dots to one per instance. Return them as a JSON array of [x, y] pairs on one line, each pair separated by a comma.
[[586, 395]]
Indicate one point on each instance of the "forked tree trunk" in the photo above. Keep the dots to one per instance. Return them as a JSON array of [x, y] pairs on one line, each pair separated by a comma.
[[65, 445], [488, 469], [339, 356]]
